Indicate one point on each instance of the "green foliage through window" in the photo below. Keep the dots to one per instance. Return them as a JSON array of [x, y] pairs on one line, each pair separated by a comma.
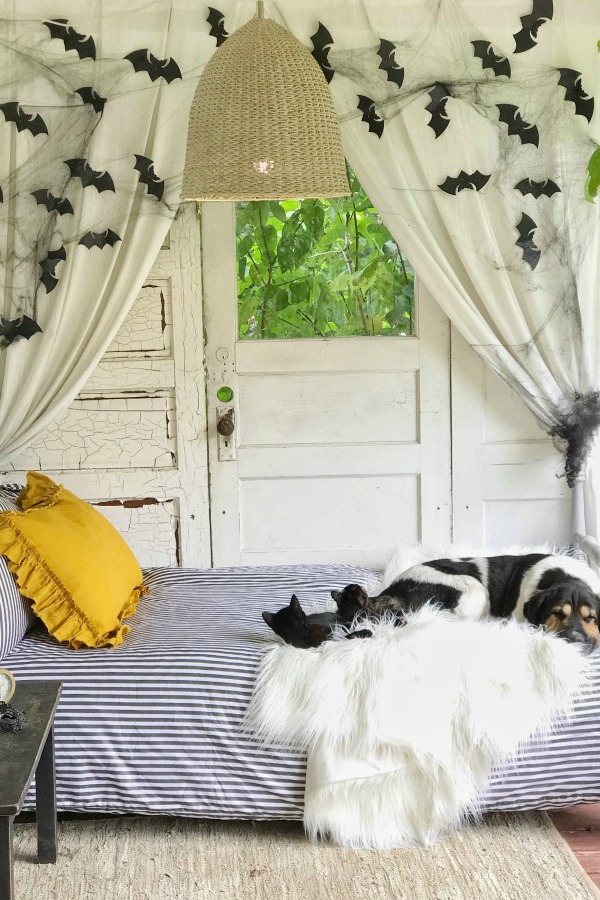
[[320, 268]]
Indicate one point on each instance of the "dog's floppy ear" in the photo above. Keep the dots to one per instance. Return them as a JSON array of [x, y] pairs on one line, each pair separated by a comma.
[[534, 607], [268, 617], [296, 609]]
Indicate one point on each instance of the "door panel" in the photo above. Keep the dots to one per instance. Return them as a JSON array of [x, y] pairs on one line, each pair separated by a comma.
[[345, 518], [341, 447], [507, 483]]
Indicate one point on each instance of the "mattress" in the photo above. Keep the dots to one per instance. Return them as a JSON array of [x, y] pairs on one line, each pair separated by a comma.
[[152, 726]]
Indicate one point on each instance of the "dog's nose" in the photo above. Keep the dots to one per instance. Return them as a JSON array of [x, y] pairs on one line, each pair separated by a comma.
[[577, 637]]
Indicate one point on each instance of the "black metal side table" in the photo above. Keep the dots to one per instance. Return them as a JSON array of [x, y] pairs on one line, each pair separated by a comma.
[[22, 755]]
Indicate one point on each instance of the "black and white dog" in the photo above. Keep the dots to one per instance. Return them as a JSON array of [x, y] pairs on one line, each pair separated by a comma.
[[557, 592]]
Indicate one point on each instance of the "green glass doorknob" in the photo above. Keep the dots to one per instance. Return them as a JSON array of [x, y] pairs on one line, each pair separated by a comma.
[[225, 394]]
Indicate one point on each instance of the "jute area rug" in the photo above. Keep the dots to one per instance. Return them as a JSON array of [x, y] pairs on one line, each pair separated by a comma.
[[511, 856]]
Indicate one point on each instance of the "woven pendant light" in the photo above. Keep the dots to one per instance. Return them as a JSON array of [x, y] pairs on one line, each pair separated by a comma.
[[262, 123]]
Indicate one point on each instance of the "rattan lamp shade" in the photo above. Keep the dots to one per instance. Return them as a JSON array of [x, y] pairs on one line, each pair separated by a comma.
[[262, 123]]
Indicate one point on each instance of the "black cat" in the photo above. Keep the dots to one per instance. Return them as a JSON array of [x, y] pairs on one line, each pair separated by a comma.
[[295, 627]]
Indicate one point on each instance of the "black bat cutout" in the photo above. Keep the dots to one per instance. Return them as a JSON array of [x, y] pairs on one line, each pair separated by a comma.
[[498, 63], [511, 116], [216, 20], [537, 189], [32, 122], [144, 61], [526, 228], [89, 95], [23, 327], [369, 114], [100, 239], [148, 176], [439, 120], [570, 79], [72, 39], [542, 12], [322, 41], [80, 168], [388, 63], [48, 266], [62, 206], [464, 181]]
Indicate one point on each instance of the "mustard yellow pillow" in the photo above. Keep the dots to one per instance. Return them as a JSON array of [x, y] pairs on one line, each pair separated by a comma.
[[77, 570]]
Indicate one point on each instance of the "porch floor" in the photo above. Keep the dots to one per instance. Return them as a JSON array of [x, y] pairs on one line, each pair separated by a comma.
[[580, 827]]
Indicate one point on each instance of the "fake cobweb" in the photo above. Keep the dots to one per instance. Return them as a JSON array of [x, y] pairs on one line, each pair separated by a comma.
[[502, 126], [72, 169]]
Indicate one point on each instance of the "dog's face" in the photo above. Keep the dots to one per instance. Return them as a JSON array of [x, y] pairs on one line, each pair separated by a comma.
[[570, 610]]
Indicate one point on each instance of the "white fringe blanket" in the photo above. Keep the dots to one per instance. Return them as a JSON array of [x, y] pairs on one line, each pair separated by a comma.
[[402, 729]]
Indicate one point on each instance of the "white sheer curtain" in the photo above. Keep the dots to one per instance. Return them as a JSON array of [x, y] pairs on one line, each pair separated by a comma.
[[483, 90], [79, 293], [515, 265]]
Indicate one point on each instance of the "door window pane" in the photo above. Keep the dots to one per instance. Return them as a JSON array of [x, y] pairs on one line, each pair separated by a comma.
[[320, 268]]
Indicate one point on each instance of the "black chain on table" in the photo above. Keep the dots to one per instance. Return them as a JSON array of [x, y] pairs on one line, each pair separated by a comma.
[[11, 719]]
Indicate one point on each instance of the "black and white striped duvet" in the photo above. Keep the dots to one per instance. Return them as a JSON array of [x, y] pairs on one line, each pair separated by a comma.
[[152, 726]]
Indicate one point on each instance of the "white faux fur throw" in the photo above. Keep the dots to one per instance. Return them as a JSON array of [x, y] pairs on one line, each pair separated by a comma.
[[403, 728]]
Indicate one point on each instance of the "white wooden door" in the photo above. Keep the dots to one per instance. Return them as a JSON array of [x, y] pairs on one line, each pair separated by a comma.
[[134, 441], [507, 484], [341, 447]]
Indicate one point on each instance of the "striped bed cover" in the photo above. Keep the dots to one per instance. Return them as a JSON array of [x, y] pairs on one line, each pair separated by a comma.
[[151, 727]]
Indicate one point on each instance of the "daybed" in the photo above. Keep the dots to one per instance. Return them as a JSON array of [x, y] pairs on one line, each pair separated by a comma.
[[151, 726]]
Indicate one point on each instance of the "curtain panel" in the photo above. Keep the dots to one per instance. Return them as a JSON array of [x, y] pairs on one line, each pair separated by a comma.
[[469, 125], [94, 101]]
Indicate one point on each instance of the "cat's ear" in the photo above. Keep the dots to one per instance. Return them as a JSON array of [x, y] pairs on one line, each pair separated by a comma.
[[296, 609], [336, 595], [269, 617]]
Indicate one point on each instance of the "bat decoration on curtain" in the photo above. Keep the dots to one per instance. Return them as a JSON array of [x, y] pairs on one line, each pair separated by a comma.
[[439, 120], [511, 116], [216, 20], [48, 266], [61, 205], [537, 189], [322, 41], [387, 53], [369, 115], [148, 176], [100, 239], [526, 38], [89, 95], [23, 327], [72, 39], [32, 122], [465, 182], [498, 63], [51, 201], [144, 61], [80, 168], [526, 228], [570, 79]]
